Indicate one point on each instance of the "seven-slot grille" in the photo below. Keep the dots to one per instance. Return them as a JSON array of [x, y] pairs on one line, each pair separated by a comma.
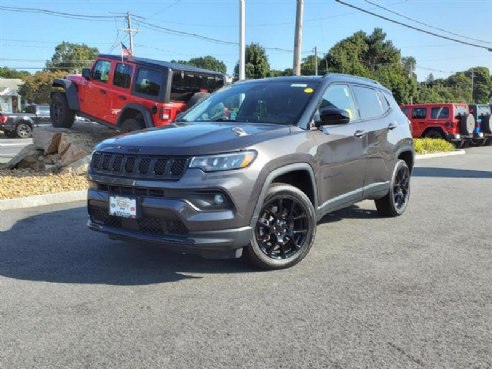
[[140, 166]]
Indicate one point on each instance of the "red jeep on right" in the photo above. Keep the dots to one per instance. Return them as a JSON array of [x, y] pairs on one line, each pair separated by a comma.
[[450, 121]]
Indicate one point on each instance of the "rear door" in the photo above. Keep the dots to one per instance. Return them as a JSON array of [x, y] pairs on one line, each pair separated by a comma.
[[119, 94], [341, 152], [418, 118]]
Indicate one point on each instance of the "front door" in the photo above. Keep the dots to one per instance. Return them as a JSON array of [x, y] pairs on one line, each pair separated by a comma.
[[341, 152], [95, 98]]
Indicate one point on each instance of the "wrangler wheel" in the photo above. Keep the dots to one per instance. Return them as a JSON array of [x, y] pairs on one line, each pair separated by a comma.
[[60, 113]]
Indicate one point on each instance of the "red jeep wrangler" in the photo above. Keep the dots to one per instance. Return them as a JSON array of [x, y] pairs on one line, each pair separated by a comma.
[[130, 93], [452, 122]]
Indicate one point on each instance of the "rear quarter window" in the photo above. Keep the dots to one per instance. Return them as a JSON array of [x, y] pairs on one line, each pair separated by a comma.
[[148, 82], [441, 112], [368, 101]]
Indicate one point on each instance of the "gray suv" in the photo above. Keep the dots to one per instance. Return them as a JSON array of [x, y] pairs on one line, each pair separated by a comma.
[[254, 167]]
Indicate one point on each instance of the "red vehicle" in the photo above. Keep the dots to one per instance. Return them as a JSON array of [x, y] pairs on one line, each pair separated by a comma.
[[449, 121], [130, 93]]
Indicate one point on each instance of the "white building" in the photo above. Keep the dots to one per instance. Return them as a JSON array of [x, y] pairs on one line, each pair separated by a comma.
[[10, 100]]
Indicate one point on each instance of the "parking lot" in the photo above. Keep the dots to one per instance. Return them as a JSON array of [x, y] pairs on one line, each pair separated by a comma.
[[407, 292]]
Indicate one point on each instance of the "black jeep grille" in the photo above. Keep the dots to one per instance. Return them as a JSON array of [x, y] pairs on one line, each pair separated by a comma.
[[160, 226], [138, 166]]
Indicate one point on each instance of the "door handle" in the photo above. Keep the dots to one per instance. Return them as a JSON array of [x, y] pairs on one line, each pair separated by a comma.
[[359, 133], [392, 126], [102, 91], [122, 97]]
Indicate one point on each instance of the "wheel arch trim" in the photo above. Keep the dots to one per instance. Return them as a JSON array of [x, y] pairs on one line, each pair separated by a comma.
[[70, 92], [147, 116], [277, 173]]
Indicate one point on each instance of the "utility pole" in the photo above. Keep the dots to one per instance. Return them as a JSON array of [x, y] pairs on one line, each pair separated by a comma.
[[472, 78], [130, 31], [298, 38], [242, 46], [315, 61]]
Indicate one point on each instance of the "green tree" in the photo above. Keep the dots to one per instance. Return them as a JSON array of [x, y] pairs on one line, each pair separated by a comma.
[[6, 72], [308, 65], [482, 84], [71, 58], [256, 63], [37, 88], [205, 62], [409, 63]]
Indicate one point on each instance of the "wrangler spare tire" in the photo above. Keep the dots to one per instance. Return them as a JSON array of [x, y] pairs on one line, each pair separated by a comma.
[[486, 123], [467, 124]]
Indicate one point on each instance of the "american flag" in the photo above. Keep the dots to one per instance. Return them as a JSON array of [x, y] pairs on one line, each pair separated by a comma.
[[125, 51]]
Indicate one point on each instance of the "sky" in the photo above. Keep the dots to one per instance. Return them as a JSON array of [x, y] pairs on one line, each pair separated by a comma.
[[28, 36]]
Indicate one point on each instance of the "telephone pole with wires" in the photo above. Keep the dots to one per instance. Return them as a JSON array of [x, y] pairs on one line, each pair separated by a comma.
[[130, 31], [298, 38]]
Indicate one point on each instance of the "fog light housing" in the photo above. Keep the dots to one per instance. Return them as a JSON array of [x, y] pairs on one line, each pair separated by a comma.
[[209, 201]]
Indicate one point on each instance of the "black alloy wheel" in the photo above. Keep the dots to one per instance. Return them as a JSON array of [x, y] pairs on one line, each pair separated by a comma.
[[396, 201], [285, 229]]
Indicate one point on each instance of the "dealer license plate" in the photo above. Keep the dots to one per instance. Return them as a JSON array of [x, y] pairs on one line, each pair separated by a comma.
[[124, 207]]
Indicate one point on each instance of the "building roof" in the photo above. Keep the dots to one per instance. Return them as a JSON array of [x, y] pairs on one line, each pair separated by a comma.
[[9, 86]]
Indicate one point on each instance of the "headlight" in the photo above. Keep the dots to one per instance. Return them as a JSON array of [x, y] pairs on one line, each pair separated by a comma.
[[215, 163]]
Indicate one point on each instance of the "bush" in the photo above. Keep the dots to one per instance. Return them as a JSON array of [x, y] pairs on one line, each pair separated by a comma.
[[429, 145]]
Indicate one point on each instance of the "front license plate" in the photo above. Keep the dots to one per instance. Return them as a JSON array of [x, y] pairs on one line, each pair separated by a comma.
[[125, 207]]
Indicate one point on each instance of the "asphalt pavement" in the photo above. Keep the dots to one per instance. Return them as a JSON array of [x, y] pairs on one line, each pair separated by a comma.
[[9, 147], [407, 292]]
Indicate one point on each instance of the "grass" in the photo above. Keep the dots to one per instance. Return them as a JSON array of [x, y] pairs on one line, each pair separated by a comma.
[[431, 145]]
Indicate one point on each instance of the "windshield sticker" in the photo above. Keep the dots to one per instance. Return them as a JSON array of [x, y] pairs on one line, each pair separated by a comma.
[[298, 85], [308, 90]]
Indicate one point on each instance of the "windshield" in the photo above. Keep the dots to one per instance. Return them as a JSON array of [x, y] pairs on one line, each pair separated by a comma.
[[268, 101]]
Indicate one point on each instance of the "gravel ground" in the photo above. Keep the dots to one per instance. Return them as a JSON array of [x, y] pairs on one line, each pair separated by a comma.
[[23, 182]]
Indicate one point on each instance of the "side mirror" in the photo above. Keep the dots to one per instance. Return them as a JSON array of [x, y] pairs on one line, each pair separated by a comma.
[[333, 116], [86, 73]]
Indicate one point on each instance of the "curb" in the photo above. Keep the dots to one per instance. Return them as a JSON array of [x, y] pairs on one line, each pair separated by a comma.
[[42, 200], [439, 154], [71, 196]]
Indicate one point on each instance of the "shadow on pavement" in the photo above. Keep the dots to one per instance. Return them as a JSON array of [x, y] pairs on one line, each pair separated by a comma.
[[450, 173], [351, 212], [57, 247]]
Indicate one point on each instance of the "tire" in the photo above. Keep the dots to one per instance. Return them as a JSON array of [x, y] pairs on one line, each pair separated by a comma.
[[196, 98], [486, 124], [467, 124], [132, 124], [459, 144], [60, 113], [433, 133], [23, 130], [478, 142], [395, 202], [285, 230]]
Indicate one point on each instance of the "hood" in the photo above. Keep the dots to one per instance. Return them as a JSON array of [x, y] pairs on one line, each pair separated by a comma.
[[194, 139]]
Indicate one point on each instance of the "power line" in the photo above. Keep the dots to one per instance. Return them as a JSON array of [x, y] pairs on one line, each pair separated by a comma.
[[414, 28], [100, 18], [425, 24]]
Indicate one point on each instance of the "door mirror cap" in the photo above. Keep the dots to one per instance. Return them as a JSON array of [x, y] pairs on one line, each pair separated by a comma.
[[333, 116], [86, 73]]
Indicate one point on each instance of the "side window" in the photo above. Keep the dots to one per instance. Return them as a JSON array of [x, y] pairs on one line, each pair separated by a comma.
[[185, 84], [405, 111], [339, 96], [148, 82], [384, 101], [419, 113], [440, 112], [101, 71], [123, 75], [369, 102]]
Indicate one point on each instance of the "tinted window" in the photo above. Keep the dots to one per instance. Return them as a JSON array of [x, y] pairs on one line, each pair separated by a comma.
[[440, 112], [368, 101], [339, 96], [279, 102], [405, 111], [30, 109], [460, 110], [419, 113], [123, 75], [101, 71], [148, 82], [185, 84]]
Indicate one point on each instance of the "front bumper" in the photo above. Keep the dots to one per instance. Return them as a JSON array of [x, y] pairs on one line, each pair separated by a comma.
[[172, 222]]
